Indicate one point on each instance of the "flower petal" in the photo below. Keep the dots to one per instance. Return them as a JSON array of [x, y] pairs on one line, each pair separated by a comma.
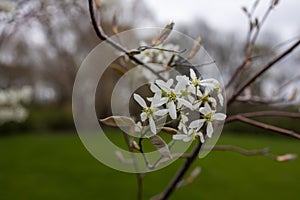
[[219, 116], [185, 103], [184, 129], [143, 116], [200, 134], [192, 74], [179, 137], [156, 99], [179, 87], [211, 81], [172, 110], [163, 85], [221, 99], [170, 83], [161, 112], [184, 118], [140, 100], [190, 98], [196, 106], [184, 79], [152, 125], [213, 101], [197, 124], [159, 102], [187, 139], [209, 129], [154, 88], [206, 109]]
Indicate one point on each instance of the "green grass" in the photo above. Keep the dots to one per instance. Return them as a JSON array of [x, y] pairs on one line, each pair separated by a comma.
[[45, 166]]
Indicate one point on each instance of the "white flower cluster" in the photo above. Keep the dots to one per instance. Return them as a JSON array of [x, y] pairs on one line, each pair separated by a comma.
[[190, 94], [157, 59], [11, 104], [161, 54]]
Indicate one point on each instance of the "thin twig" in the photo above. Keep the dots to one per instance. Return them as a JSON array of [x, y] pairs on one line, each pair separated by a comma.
[[274, 48], [249, 15], [263, 152], [272, 113], [246, 152], [251, 40], [258, 28], [101, 34], [238, 91], [259, 100], [139, 176], [296, 78], [268, 127]]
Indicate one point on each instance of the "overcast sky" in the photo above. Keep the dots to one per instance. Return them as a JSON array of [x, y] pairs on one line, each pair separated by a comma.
[[227, 14]]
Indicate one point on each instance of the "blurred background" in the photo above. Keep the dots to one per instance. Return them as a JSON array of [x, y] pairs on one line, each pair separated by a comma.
[[43, 43]]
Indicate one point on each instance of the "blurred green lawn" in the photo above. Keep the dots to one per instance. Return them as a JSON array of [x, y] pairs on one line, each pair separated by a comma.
[[46, 166]]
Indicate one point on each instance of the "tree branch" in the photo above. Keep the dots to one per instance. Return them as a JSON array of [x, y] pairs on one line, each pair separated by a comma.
[[268, 127], [271, 113], [242, 151], [172, 186], [264, 152], [100, 33], [238, 91]]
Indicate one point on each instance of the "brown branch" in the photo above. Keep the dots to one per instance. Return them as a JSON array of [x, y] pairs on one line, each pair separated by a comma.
[[259, 26], [242, 151], [139, 176], [237, 73], [296, 78], [259, 100], [238, 91], [172, 185], [268, 127], [272, 113], [249, 15], [264, 152], [101, 34], [251, 40]]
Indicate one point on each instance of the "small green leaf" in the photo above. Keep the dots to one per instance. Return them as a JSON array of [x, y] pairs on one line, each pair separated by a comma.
[[160, 145]]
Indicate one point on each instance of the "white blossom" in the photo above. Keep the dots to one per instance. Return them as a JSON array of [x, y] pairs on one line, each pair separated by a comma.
[[151, 112], [209, 116], [191, 135], [183, 123], [160, 54], [188, 94], [12, 104], [174, 97]]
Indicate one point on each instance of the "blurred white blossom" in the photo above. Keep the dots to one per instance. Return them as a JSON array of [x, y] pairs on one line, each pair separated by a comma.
[[12, 103]]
